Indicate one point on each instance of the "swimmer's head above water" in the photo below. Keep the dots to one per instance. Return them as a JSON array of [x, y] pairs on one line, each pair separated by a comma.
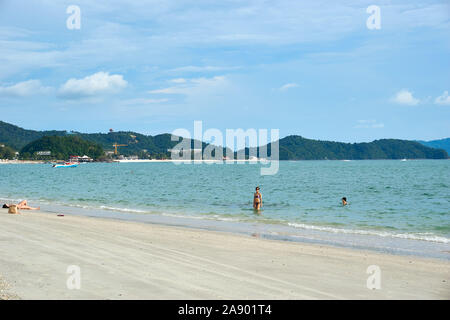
[[344, 201]]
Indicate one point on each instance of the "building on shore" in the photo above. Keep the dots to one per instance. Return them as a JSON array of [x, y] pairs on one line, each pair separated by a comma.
[[84, 158], [122, 157]]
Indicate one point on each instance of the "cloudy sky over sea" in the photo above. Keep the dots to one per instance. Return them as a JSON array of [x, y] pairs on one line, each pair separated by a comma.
[[312, 68]]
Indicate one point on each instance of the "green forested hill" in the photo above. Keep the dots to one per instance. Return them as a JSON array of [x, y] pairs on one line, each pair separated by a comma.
[[439, 144], [299, 148], [6, 152], [156, 146], [17, 137], [135, 142], [291, 147], [62, 148]]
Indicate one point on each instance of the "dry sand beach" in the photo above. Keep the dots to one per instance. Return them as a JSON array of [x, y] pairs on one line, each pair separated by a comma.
[[130, 260]]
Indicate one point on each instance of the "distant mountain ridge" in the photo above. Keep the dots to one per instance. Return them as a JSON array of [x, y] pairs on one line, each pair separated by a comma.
[[62, 147], [438, 144], [17, 138], [291, 147], [300, 148], [136, 143]]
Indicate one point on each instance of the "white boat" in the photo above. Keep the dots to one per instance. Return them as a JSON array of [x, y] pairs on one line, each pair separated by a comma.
[[65, 165]]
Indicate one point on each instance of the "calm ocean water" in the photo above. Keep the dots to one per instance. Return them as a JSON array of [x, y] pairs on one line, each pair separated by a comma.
[[398, 206]]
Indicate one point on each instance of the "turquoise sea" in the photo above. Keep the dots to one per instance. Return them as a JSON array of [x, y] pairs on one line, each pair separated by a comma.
[[394, 206]]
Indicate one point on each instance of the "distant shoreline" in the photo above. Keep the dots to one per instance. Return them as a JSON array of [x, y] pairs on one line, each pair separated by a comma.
[[22, 161], [2, 161]]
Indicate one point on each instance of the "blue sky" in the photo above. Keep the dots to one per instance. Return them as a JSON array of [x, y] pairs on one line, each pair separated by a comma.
[[311, 68]]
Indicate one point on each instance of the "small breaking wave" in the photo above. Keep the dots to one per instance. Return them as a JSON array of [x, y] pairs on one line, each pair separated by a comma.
[[126, 210], [422, 236], [211, 217]]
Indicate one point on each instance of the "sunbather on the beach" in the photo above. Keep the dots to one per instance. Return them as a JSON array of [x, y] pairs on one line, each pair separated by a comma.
[[22, 205]]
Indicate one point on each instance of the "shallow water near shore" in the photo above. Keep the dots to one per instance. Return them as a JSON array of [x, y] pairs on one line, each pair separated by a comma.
[[395, 206]]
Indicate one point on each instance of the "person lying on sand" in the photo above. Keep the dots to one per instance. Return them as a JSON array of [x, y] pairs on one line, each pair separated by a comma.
[[22, 205]]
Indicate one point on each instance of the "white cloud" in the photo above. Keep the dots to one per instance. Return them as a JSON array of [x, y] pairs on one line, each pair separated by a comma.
[[179, 80], [97, 84], [369, 124], [194, 86], [444, 99], [144, 101], [288, 86], [24, 89], [405, 97]]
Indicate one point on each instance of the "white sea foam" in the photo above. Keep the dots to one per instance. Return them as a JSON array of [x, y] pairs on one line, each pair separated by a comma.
[[213, 217], [93, 207], [411, 236], [123, 209]]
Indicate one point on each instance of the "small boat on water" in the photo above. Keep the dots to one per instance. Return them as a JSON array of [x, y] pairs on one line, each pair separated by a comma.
[[65, 165]]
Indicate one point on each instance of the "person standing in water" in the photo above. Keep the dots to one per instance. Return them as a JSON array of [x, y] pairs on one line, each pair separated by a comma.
[[344, 201], [257, 200]]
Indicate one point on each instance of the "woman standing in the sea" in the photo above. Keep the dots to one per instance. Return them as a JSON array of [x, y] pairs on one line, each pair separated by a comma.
[[257, 200]]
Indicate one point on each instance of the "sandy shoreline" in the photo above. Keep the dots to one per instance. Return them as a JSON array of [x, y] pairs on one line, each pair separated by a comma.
[[132, 260]]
